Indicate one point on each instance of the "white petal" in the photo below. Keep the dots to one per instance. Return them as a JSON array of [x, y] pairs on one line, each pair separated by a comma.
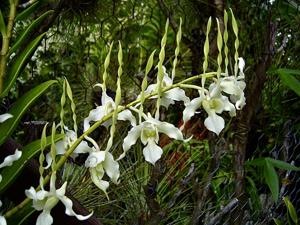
[[131, 139], [94, 115], [241, 102], [170, 130], [5, 117], [2, 220], [44, 218], [95, 158], [166, 102], [177, 94], [96, 176], [105, 99], [168, 81], [152, 152], [61, 191], [69, 211], [228, 106], [61, 147], [214, 123], [48, 160], [191, 108], [127, 115], [83, 147], [111, 167], [40, 195], [8, 160], [150, 88], [229, 85], [241, 65]]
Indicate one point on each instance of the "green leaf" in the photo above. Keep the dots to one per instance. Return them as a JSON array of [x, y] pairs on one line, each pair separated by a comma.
[[256, 162], [21, 215], [291, 209], [20, 108], [277, 221], [2, 25], [272, 181], [18, 65], [286, 75], [281, 164], [23, 37], [27, 12], [10, 173]]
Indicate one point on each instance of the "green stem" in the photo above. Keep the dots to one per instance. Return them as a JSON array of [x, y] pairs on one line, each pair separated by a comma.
[[6, 40], [63, 159]]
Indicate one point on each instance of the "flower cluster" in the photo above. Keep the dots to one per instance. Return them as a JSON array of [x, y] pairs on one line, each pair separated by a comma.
[[224, 93]]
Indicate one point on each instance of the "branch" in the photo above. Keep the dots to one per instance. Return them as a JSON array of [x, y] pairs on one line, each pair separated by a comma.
[[216, 219]]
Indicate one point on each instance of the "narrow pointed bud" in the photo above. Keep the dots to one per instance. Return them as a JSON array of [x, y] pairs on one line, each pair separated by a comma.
[[73, 106], [206, 51], [220, 45], [225, 37], [106, 64]]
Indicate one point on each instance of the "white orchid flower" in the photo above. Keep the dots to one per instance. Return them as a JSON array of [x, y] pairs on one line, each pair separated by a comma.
[[45, 201], [63, 145], [148, 132], [213, 103], [99, 163], [4, 117], [2, 220], [108, 105], [234, 86], [8, 160], [169, 97]]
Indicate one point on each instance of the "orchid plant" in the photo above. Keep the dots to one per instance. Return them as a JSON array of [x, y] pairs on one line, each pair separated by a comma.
[[218, 92]]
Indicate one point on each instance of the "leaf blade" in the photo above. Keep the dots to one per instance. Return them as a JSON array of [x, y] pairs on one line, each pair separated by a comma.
[[272, 180], [18, 64], [27, 32], [10, 173], [286, 75], [20, 107]]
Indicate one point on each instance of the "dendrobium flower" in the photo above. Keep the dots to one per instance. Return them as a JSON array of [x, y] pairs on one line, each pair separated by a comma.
[[213, 103], [234, 86], [148, 131], [100, 162], [63, 145], [8, 161], [108, 105], [168, 97], [45, 201]]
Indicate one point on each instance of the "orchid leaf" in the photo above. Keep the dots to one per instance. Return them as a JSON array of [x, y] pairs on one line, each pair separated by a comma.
[[10, 173], [20, 107], [291, 209], [21, 216], [23, 37], [27, 12], [288, 78], [281, 164], [272, 180], [18, 64]]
